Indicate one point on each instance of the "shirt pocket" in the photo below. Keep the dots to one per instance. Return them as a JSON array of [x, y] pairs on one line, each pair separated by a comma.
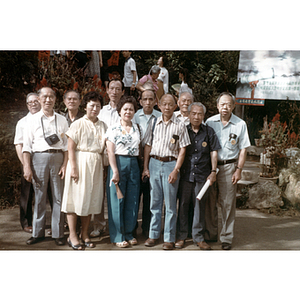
[[232, 144]]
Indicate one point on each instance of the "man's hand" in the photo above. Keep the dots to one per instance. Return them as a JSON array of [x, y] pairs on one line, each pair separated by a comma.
[[173, 176], [237, 175], [212, 177], [62, 171], [27, 173], [145, 173]]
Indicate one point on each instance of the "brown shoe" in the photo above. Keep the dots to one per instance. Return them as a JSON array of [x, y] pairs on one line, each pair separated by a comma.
[[168, 246], [150, 242], [203, 246], [179, 244], [28, 229]]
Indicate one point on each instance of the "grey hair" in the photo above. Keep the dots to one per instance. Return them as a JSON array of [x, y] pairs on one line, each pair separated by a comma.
[[197, 104], [183, 93], [70, 91], [45, 87], [30, 94], [154, 69], [226, 94]]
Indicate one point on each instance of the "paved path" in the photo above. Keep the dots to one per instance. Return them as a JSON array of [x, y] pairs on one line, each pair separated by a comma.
[[254, 230]]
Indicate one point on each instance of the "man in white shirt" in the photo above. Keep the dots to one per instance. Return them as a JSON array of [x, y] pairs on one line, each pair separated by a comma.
[[130, 78], [109, 115], [27, 193], [45, 159]]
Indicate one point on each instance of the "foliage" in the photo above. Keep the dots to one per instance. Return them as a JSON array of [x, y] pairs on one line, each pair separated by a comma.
[[62, 74], [18, 68]]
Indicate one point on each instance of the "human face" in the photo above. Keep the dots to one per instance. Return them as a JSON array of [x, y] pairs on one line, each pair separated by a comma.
[[47, 99], [126, 54], [155, 76], [167, 106], [72, 101], [148, 101], [127, 112], [92, 110], [196, 116], [225, 107], [160, 62], [184, 101], [115, 92], [33, 104]]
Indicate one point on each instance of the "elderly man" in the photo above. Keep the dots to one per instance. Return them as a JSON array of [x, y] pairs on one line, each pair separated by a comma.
[[184, 101], [165, 142], [233, 136], [72, 102], [200, 164], [143, 117], [27, 192], [109, 115], [45, 158]]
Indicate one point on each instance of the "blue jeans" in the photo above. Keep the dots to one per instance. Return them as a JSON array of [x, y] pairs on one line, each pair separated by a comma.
[[160, 190], [123, 213]]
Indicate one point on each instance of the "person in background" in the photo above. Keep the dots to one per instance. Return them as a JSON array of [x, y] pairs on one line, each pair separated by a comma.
[[233, 137], [45, 159], [200, 164], [186, 84], [110, 116], [144, 117], [163, 78], [149, 82], [130, 78], [27, 192], [123, 141], [83, 192], [165, 144]]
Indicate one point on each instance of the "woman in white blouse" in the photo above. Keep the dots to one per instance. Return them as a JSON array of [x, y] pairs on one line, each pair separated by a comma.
[[83, 192], [123, 141]]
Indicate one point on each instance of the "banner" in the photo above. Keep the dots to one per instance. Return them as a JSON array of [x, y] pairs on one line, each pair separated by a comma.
[[273, 75]]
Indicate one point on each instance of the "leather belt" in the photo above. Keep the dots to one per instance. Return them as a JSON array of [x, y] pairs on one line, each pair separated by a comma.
[[225, 162], [50, 151], [164, 159]]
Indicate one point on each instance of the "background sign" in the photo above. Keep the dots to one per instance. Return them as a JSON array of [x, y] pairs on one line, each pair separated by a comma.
[[271, 75]]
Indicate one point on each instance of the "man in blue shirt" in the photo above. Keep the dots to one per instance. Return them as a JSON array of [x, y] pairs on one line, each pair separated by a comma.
[[233, 136], [200, 164], [143, 117]]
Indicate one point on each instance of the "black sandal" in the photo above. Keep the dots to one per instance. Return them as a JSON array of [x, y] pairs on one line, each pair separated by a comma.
[[75, 247]]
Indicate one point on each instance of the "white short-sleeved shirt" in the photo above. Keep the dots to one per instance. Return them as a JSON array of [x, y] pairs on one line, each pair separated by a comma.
[[125, 143], [129, 66], [109, 115], [20, 129], [164, 77], [33, 134], [233, 137]]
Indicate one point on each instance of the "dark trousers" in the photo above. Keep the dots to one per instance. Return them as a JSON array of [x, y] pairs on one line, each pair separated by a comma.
[[146, 213], [187, 195], [26, 199]]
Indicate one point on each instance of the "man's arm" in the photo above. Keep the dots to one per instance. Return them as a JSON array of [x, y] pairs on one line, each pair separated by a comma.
[[214, 162], [19, 148], [27, 166], [237, 175], [147, 150], [134, 81], [173, 175]]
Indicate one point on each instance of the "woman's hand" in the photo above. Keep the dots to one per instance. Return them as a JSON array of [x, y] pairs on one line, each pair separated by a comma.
[[115, 178], [75, 174]]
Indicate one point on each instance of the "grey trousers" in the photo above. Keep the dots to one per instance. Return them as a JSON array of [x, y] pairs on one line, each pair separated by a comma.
[[224, 193], [45, 168]]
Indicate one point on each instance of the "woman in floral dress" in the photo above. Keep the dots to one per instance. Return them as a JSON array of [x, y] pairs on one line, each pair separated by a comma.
[[123, 150]]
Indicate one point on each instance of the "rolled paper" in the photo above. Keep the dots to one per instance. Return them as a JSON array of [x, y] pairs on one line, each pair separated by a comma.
[[204, 188]]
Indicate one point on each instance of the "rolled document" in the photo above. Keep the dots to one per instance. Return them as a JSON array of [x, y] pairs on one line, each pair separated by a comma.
[[204, 188]]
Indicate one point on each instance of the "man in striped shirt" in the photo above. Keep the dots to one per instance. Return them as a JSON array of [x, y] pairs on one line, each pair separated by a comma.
[[165, 144]]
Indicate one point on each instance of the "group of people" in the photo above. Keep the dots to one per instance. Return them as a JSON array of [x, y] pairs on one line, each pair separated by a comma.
[[158, 158]]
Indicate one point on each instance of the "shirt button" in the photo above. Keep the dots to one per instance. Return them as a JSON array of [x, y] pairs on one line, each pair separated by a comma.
[[195, 157]]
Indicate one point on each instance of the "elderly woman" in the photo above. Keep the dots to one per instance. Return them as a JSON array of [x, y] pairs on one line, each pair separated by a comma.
[[123, 141], [149, 82], [83, 192]]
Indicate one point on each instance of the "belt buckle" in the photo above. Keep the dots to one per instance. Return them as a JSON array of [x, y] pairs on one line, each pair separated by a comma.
[[225, 162]]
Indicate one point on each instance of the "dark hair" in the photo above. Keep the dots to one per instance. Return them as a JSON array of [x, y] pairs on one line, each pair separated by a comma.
[[92, 96], [124, 100], [164, 59], [186, 76], [117, 79]]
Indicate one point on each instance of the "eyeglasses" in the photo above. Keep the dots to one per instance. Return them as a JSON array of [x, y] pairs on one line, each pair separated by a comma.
[[31, 103]]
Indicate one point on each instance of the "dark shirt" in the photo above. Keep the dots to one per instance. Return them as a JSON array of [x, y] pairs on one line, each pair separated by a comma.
[[79, 115], [197, 163]]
